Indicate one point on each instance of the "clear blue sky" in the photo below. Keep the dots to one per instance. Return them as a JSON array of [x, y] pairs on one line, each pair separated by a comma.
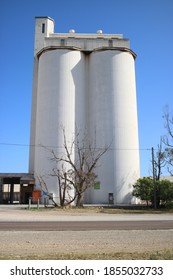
[[147, 23]]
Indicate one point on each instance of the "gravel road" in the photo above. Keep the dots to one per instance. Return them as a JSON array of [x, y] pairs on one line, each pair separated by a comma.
[[41, 244], [24, 244]]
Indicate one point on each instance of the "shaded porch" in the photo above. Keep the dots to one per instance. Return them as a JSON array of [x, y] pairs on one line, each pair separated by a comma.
[[16, 187]]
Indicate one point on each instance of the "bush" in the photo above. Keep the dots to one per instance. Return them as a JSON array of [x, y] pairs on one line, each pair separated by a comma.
[[169, 205], [144, 189]]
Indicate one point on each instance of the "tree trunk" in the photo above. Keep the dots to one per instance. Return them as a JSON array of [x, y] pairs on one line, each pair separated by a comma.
[[79, 201]]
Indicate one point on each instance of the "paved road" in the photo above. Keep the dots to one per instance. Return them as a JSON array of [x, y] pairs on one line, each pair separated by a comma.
[[86, 225]]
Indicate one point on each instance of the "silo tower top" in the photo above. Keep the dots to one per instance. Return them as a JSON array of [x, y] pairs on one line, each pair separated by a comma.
[[45, 39]]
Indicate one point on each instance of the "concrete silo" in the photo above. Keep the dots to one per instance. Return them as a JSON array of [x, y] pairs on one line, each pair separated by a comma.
[[85, 81], [113, 115]]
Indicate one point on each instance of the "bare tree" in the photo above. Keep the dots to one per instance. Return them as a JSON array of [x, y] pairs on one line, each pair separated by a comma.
[[81, 168], [168, 140], [65, 185], [44, 187], [159, 160]]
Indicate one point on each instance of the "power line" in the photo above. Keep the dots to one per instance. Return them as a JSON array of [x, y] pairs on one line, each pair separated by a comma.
[[61, 147]]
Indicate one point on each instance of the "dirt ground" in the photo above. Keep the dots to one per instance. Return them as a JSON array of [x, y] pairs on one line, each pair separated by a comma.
[[45, 245]]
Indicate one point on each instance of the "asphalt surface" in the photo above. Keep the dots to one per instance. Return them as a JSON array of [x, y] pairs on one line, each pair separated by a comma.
[[86, 225], [18, 219]]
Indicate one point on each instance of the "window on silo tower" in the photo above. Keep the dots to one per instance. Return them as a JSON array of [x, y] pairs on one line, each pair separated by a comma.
[[43, 27]]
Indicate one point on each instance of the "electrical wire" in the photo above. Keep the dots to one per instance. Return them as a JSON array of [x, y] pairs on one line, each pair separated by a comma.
[[61, 147]]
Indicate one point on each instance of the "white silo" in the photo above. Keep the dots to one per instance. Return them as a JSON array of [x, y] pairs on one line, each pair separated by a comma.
[[85, 81], [113, 117], [60, 79]]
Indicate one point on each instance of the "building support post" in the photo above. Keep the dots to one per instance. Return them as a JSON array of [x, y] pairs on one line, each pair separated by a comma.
[[1, 190], [11, 193]]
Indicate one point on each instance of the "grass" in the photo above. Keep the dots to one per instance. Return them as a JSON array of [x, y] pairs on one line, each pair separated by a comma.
[[136, 211], [107, 210], [157, 255]]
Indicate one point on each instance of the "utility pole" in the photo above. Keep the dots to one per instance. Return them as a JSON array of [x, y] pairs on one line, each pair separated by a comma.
[[154, 179]]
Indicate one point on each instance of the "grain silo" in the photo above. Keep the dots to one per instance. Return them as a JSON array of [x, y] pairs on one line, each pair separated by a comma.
[[85, 81]]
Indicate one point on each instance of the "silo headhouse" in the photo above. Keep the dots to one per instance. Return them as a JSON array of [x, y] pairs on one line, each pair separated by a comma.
[[85, 82]]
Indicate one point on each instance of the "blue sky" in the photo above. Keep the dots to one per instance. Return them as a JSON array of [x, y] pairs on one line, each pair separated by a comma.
[[147, 23]]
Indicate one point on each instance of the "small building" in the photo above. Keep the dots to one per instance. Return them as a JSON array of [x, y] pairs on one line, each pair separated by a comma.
[[16, 188]]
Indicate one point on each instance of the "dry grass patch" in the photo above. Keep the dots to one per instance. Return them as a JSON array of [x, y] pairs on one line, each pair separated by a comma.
[[157, 255]]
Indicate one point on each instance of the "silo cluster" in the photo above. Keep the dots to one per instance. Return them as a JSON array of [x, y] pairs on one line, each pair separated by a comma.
[[85, 83]]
